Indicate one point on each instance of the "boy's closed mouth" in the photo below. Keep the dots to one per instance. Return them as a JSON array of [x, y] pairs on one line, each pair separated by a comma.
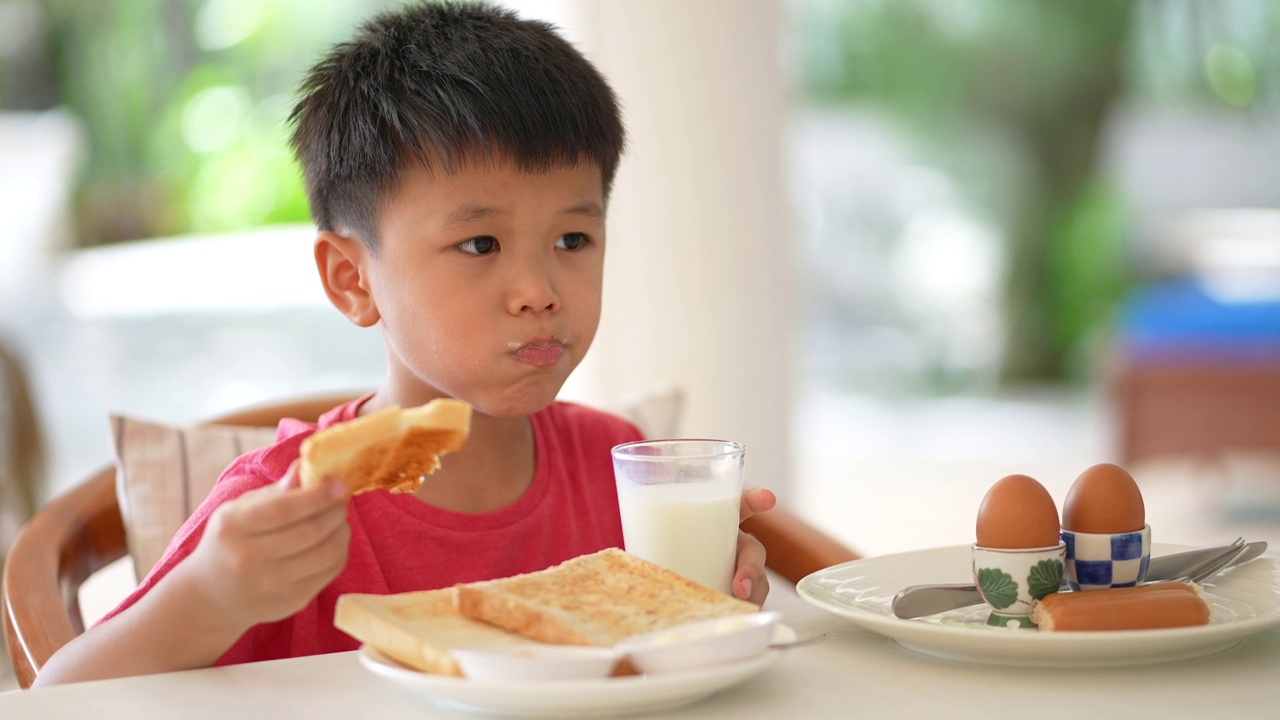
[[542, 352]]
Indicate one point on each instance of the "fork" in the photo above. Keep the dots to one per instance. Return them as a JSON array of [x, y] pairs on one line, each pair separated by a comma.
[[1212, 566]]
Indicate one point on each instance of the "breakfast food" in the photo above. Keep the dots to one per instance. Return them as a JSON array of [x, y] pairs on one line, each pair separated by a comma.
[[1158, 605], [392, 448], [1104, 527], [1017, 512], [1018, 556], [1104, 499], [597, 599], [417, 629]]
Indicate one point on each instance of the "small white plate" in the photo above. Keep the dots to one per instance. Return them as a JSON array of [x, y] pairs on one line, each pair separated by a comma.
[[575, 698], [700, 644], [1245, 599], [536, 661]]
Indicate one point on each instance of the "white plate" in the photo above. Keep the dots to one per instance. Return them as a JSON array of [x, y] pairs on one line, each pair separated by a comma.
[[1246, 600], [568, 698]]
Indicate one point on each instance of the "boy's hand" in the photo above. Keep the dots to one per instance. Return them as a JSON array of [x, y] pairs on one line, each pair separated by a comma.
[[266, 554], [749, 581]]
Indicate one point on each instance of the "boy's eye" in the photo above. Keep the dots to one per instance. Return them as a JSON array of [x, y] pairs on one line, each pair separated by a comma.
[[571, 241], [482, 245]]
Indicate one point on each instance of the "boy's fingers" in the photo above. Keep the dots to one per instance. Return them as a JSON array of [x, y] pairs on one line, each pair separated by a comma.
[[759, 591], [749, 580], [325, 553], [751, 556], [303, 538], [756, 500], [290, 479], [268, 512], [291, 543]]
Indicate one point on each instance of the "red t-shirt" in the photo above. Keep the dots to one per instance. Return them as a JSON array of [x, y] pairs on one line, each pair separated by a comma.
[[401, 544]]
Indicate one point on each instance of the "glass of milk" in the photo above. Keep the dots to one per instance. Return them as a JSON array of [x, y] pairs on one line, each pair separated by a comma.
[[679, 501]]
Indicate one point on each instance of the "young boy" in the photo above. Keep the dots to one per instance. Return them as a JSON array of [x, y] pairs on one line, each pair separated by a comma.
[[458, 161]]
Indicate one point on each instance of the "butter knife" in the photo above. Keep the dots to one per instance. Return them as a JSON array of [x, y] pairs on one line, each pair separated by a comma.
[[921, 600]]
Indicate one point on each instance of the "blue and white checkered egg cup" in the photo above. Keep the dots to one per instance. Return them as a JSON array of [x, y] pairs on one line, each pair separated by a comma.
[[1105, 560]]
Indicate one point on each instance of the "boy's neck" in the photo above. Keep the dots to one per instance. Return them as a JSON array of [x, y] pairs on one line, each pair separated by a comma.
[[491, 471]]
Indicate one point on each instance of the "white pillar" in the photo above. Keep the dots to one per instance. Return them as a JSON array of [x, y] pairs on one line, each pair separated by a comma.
[[698, 281]]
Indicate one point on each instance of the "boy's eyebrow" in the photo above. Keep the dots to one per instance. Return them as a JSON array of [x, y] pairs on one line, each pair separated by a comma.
[[471, 213], [589, 208]]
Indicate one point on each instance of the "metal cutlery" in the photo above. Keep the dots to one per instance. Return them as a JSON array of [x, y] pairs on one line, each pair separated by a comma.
[[1194, 565]]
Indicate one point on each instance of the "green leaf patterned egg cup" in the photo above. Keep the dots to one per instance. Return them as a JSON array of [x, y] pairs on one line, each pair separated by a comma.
[[1011, 580]]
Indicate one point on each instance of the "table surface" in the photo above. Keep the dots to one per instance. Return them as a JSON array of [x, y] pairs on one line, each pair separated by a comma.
[[849, 670]]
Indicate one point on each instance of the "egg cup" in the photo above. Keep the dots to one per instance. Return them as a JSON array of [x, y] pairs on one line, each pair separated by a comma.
[[1011, 579], [1105, 560]]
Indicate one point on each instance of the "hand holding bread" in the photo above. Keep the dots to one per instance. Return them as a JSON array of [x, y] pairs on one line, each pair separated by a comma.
[[265, 554]]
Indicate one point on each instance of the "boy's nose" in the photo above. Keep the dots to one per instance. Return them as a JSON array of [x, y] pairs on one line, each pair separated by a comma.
[[533, 290]]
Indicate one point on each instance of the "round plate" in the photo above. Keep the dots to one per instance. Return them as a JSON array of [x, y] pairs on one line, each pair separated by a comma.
[[1245, 599], [569, 698]]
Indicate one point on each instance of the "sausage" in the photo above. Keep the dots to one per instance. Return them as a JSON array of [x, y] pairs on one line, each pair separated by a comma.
[[1142, 607]]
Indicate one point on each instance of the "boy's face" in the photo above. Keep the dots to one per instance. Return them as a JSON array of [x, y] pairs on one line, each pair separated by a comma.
[[487, 283]]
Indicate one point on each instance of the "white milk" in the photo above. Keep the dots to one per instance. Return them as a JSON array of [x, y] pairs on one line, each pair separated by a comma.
[[691, 529]]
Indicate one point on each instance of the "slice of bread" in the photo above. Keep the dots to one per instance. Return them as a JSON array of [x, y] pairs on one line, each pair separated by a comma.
[[417, 629], [391, 448], [596, 599]]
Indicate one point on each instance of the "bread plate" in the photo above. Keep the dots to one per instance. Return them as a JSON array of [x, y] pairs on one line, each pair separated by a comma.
[[576, 698]]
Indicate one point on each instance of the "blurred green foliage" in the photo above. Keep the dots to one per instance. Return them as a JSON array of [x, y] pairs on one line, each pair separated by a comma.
[[183, 106], [1038, 79]]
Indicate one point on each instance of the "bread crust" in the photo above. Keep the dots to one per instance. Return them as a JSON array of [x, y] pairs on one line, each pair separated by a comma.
[[392, 448]]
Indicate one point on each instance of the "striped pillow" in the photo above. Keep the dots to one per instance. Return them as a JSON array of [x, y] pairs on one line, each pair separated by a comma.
[[656, 412], [164, 472]]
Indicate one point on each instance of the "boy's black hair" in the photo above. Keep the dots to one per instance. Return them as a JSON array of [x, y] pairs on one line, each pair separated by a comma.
[[441, 84]]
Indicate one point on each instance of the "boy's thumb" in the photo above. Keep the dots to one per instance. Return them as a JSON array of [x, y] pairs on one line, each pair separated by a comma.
[[290, 478]]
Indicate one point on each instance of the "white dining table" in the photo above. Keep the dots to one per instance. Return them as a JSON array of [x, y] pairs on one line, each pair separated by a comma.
[[849, 672]]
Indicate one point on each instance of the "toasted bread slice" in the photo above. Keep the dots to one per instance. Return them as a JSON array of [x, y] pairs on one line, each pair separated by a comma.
[[596, 599], [417, 629], [391, 448]]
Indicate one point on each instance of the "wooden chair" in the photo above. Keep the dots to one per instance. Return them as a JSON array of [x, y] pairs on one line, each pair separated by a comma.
[[81, 531]]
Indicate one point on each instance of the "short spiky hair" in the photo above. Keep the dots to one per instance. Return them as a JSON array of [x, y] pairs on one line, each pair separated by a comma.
[[440, 84]]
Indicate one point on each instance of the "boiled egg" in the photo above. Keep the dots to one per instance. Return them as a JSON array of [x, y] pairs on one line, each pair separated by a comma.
[[1017, 512], [1104, 499]]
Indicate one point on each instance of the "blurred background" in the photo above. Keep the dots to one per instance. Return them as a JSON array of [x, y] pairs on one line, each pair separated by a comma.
[[901, 248]]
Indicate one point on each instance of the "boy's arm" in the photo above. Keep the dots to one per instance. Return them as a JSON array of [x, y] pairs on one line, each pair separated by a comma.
[[262, 557]]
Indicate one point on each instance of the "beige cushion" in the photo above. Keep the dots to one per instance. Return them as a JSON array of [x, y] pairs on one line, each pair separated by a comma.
[[163, 472], [656, 412]]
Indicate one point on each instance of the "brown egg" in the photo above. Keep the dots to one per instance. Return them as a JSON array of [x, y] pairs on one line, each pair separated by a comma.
[[1017, 512], [1104, 499]]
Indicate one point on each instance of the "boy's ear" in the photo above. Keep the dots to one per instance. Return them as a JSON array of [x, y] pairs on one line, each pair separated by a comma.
[[341, 261]]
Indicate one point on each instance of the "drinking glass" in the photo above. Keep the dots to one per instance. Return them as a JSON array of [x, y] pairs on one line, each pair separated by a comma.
[[679, 501]]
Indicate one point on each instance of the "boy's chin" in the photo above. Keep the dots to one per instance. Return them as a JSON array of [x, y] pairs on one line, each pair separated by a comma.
[[522, 404]]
